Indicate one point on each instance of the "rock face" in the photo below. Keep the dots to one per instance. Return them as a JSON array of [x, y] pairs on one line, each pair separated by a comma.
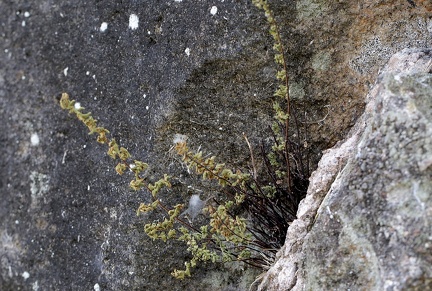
[[67, 221], [148, 70], [372, 229]]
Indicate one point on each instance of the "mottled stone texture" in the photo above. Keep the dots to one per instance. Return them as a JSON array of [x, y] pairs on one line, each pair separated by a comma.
[[67, 221], [372, 230]]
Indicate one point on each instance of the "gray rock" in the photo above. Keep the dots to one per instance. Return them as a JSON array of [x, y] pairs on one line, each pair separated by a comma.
[[366, 221], [67, 221]]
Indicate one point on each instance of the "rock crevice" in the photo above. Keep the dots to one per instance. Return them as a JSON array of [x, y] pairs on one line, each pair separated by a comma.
[[366, 221]]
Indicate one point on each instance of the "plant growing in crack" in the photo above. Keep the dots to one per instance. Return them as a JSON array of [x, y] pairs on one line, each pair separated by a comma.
[[248, 220]]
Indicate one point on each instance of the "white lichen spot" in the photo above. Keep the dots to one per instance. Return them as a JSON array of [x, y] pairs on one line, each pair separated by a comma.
[[64, 157], [25, 275], [34, 139], [23, 23], [147, 108], [87, 73], [96, 287], [178, 138], [178, 1], [26, 14], [39, 185], [329, 212], [113, 213], [133, 21], [35, 286], [397, 78], [187, 51], [103, 27], [65, 71], [77, 105], [213, 10]]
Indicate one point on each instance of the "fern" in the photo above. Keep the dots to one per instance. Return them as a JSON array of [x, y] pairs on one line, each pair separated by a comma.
[[269, 200]]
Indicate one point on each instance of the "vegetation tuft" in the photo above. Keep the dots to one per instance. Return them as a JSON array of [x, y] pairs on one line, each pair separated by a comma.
[[248, 220]]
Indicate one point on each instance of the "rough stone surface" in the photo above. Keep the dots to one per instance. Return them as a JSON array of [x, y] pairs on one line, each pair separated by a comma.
[[66, 219], [371, 229]]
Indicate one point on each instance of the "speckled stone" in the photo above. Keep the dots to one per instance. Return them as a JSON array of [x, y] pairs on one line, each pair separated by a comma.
[[365, 223], [67, 221]]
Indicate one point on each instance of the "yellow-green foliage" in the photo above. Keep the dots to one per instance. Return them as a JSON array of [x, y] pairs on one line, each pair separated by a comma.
[[222, 236], [279, 57], [116, 152], [282, 116]]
